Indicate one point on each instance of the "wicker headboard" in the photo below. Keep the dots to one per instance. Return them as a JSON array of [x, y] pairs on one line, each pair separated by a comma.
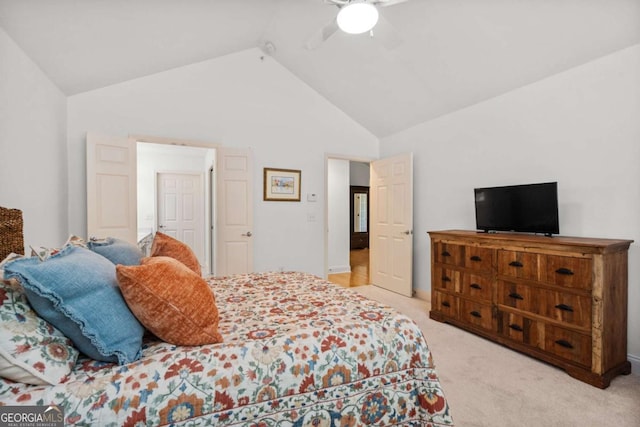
[[11, 239]]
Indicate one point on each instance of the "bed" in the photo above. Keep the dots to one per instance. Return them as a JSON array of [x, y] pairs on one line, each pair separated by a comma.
[[296, 351]]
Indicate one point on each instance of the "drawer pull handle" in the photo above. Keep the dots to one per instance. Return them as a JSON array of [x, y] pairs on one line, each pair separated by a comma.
[[476, 314], [476, 286], [564, 271], [445, 253], [564, 343], [564, 307], [446, 279], [475, 258], [516, 327], [446, 304], [515, 264], [515, 295]]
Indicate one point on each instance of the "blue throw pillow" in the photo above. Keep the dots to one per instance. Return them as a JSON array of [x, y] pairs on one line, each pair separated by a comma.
[[76, 290], [117, 251]]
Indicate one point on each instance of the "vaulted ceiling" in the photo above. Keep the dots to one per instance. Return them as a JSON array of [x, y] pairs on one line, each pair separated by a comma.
[[427, 58]]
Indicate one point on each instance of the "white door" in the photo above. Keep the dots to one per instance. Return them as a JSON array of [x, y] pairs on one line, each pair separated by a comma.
[[181, 209], [111, 187], [391, 221], [234, 212]]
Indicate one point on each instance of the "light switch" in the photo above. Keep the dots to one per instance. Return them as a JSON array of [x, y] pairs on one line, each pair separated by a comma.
[[312, 197]]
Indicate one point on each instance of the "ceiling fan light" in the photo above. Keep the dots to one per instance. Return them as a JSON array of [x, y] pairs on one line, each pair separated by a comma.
[[357, 18]]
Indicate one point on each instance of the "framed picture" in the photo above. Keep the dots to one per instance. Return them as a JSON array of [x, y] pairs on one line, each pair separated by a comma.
[[281, 185]]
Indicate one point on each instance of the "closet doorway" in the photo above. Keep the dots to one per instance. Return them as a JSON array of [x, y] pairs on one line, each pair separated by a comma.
[[175, 196], [112, 197]]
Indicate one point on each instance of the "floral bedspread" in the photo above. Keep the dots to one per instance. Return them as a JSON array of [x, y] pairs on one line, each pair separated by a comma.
[[298, 351]]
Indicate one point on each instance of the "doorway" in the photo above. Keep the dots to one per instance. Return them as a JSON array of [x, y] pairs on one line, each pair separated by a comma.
[[174, 195], [348, 222], [391, 221]]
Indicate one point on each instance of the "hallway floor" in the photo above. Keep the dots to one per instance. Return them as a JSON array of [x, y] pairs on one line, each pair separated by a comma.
[[359, 260]]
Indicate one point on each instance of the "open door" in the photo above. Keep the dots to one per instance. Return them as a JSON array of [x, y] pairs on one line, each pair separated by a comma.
[[234, 215], [111, 187], [391, 240]]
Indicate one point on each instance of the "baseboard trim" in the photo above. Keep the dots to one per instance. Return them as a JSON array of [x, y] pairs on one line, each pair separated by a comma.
[[422, 295], [635, 364], [340, 269]]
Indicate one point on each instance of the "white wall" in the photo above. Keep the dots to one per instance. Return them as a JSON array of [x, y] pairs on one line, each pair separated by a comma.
[[32, 147], [359, 173], [580, 128], [238, 101], [338, 241]]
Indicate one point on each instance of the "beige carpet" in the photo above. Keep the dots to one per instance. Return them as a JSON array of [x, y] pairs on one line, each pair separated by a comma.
[[487, 384]]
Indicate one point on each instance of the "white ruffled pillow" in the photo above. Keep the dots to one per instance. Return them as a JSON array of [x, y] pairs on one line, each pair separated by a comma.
[[32, 351]]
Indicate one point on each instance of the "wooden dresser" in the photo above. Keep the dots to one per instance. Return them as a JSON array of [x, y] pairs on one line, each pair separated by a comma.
[[559, 299]]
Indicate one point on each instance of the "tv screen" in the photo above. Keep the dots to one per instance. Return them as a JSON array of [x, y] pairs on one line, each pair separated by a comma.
[[529, 208]]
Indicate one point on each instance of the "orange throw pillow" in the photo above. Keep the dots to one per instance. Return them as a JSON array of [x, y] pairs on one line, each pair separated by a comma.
[[164, 245], [171, 301]]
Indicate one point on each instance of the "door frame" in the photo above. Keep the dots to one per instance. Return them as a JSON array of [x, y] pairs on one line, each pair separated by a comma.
[[327, 157]]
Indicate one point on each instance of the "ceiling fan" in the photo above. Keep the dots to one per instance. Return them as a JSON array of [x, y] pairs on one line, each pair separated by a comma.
[[357, 17]]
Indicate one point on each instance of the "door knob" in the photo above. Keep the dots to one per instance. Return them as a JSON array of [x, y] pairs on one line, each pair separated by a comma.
[[407, 232], [248, 234], [161, 226]]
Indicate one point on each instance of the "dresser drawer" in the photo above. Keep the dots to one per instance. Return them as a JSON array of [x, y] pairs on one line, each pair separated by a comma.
[[446, 253], [569, 345], [519, 328], [568, 272], [521, 265], [476, 286], [516, 295], [446, 304], [572, 309], [476, 313], [480, 259], [563, 307], [446, 278]]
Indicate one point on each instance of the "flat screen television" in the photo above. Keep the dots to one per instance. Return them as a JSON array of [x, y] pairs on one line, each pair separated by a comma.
[[531, 208]]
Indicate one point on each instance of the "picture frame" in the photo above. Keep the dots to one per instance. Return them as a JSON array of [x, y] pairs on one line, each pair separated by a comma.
[[281, 185]]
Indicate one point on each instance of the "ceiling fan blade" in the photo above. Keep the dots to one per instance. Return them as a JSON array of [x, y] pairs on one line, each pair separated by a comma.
[[385, 3], [322, 35]]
